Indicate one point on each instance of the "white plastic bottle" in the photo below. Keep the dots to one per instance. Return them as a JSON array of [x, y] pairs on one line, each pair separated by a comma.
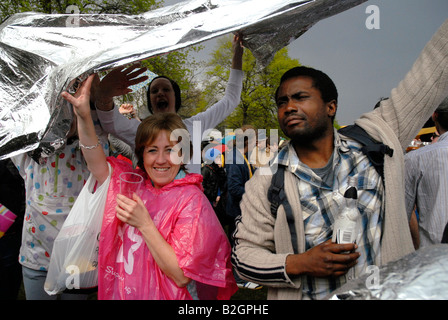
[[346, 226]]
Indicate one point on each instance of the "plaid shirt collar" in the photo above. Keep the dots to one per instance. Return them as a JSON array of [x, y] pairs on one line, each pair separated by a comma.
[[289, 158]]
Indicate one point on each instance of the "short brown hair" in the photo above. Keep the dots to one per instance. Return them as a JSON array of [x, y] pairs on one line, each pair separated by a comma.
[[150, 128]]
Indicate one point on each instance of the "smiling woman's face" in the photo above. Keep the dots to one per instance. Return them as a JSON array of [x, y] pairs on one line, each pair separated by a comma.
[[157, 160]]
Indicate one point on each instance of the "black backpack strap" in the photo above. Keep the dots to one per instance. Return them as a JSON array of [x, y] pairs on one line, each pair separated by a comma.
[[373, 149], [445, 234], [277, 196], [277, 183]]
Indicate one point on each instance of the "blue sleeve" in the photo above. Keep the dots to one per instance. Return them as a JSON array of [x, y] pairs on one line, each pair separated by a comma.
[[236, 179]]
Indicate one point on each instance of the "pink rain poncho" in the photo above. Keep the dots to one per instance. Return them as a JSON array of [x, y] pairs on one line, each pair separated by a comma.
[[186, 220]]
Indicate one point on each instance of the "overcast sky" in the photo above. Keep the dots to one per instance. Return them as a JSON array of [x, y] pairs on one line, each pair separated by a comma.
[[365, 63]]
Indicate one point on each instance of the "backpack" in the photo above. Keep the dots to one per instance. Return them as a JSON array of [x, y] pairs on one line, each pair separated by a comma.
[[445, 234], [374, 150]]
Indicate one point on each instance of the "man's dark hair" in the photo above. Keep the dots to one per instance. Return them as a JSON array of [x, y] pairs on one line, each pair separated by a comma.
[[321, 82], [176, 93]]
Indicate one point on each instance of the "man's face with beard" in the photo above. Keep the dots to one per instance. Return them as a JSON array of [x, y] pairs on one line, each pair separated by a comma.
[[162, 96], [302, 114]]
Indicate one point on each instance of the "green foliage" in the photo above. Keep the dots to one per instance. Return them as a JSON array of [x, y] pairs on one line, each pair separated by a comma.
[[336, 124], [257, 106], [10, 7]]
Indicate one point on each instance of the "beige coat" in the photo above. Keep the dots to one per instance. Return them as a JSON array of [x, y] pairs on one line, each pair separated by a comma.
[[262, 242]]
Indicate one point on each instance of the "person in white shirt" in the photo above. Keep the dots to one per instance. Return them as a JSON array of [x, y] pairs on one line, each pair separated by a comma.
[[427, 182], [164, 96]]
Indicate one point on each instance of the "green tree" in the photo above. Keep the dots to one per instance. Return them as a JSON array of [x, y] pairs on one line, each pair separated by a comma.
[[257, 106], [10, 7]]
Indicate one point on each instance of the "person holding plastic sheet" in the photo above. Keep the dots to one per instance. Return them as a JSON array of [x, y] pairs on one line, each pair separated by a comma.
[[52, 186], [318, 161], [164, 95], [154, 245]]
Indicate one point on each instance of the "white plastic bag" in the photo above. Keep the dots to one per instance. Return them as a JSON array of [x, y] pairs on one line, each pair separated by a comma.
[[74, 258]]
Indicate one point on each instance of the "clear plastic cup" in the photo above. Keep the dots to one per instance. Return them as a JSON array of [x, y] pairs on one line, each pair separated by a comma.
[[130, 183]]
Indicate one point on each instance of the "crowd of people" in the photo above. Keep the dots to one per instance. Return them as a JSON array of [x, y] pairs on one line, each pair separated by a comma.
[[201, 229]]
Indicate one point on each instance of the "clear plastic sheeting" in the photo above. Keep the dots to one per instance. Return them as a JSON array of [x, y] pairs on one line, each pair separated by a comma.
[[421, 275], [41, 55]]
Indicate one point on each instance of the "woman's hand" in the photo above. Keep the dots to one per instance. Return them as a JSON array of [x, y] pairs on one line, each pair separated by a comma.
[[116, 83], [93, 154], [133, 211], [81, 99]]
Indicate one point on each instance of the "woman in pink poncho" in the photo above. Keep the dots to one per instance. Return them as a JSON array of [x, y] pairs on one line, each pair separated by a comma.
[[166, 242]]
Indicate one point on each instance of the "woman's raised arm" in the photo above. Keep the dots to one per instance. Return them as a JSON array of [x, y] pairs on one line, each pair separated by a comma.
[[88, 140]]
